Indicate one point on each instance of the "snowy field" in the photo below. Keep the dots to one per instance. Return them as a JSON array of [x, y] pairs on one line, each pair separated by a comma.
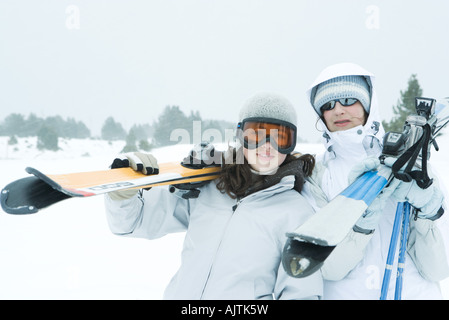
[[67, 251]]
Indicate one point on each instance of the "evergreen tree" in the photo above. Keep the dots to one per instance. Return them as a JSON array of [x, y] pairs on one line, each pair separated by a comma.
[[31, 126], [12, 140], [13, 124], [47, 138], [171, 118], [75, 129], [130, 142], [405, 106], [142, 131], [144, 145], [57, 124], [112, 130]]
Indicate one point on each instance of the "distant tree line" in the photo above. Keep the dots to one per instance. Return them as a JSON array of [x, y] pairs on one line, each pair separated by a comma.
[[16, 124], [173, 126], [49, 129]]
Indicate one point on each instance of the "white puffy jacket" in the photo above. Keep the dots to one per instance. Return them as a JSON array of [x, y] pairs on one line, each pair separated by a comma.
[[231, 250], [355, 268]]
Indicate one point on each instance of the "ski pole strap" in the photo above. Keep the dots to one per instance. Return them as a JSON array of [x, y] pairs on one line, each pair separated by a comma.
[[410, 156]]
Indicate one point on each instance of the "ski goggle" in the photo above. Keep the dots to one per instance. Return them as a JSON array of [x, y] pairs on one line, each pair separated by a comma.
[[345, 102], [255, 132]]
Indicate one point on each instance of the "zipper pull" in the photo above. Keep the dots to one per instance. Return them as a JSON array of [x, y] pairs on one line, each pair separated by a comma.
[[234, 207]]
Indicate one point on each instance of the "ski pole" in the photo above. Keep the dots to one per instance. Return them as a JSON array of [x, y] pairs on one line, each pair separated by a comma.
[[402, 251], [392, 250]]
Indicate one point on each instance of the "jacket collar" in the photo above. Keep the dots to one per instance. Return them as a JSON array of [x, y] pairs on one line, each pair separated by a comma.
[[290, 174]]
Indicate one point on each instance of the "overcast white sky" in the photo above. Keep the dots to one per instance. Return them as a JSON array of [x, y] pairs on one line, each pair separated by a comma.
[[91, 59]]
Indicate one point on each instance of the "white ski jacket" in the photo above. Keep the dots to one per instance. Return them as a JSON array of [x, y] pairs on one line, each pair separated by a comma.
[[232, 250], [355, 268]]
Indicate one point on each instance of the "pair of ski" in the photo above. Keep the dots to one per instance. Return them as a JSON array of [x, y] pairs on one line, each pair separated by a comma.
[[310, 244], [306, 249]]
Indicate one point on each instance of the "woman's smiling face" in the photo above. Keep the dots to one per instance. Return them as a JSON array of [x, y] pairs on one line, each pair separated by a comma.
[[264, 159]]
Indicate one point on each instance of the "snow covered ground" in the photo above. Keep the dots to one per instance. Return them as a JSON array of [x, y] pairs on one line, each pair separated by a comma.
[[67, 251]]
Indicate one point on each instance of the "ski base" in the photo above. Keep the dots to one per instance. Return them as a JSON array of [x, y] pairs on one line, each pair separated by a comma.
[[301, 259], [38, 195], [311, 243]]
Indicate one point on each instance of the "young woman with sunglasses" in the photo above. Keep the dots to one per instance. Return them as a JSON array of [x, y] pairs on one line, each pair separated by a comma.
[[345, 100], [235, 227]]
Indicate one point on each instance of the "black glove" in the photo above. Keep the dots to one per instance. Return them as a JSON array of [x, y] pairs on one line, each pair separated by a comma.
[[201, 156]]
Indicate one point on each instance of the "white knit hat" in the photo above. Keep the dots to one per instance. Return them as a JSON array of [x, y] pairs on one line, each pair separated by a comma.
[[342, 87], [269, 105]]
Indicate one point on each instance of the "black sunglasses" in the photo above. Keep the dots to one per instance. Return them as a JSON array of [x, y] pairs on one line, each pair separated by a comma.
[[345, 102]]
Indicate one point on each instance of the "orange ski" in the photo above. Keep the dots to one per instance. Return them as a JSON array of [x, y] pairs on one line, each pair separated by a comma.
[[30, 194]]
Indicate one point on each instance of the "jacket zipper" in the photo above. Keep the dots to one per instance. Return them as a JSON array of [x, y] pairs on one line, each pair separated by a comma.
[[234, 208]]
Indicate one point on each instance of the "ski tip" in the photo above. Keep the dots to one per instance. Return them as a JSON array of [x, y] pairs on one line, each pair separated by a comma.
[[15, 210], [301, 259]]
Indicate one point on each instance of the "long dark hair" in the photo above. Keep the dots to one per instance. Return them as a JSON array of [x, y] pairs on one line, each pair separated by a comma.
[[237, 180]]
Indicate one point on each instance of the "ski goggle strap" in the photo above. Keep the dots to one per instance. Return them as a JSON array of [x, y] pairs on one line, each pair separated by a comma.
[[345, 102], [255, 132]]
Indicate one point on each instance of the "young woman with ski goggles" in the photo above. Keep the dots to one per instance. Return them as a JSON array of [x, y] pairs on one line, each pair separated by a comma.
[[235, 224], [255, 132]]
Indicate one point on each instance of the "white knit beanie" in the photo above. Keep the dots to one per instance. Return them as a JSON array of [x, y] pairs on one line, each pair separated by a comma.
[[269, 105], [342, 87]]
